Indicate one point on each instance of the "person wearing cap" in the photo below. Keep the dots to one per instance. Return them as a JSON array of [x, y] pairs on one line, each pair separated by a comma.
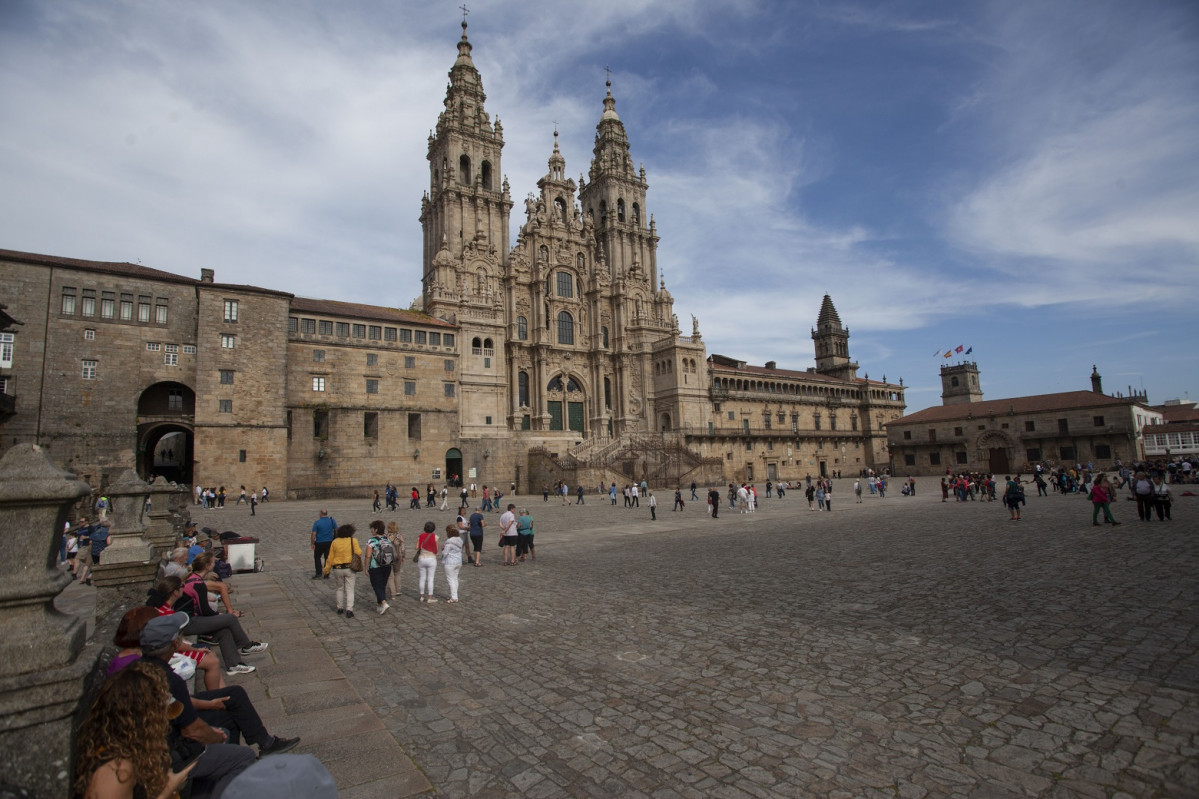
[[212, 719], [323, 531]]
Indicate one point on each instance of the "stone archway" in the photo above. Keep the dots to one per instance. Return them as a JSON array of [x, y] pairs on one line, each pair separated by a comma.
[[165, 432], [994, 451]]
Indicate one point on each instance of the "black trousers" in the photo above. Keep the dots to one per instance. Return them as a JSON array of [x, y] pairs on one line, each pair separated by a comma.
[[239, 716], [379, 577], [320, 553]]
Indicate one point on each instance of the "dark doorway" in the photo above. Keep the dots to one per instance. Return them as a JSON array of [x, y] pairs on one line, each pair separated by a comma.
[[453, 466], [165, 451], [998, 461], [824, 468]]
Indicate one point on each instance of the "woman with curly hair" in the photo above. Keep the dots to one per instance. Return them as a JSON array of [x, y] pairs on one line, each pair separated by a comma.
[[128, 638], [123, 741]]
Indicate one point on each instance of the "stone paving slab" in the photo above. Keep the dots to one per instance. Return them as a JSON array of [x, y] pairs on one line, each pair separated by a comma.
[[899, 647]]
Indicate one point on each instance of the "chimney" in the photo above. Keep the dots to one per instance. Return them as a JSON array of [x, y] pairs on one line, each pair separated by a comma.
[[771, 364], [206, 275], [1096, 380]]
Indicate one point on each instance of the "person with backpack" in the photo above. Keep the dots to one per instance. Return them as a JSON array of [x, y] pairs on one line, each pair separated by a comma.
[[380, 555], [1013, 495]]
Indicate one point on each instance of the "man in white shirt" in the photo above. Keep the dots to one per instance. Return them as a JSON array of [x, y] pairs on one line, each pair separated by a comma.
[[508, 534], [634, 499]]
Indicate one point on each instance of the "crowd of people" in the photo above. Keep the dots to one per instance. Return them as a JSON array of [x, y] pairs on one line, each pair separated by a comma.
[[146, 733]]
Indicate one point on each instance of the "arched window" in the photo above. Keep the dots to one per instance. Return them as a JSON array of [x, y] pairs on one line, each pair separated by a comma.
[[522, 328], [487, 344], [485, 174], [476, 343], [464, 170], [620, 210], [603, 211], [436, 178], [636, 214], [604, 334], [565, 285], [572, 385], [566, 328], [560, 209], [607, 393], [522, 389], [953, 381], [555, 385]]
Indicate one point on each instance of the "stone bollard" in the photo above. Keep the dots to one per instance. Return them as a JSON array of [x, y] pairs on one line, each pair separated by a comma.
[[41, 673], [128, 564], [166, 500]]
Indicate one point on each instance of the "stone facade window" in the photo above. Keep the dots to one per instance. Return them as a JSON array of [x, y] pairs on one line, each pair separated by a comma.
[[170, 355], [324, 327], [370, 425], [389, 334], [293, 324], [409, 388], [372, 359], [318, 384], [414, 426], [308, 326], [160, 311], [1099, 423], [143, 309], [343, 329], [108, 305], [358, 331], [226, 377], [228, 342], [434, 339], [447, 339], [449, 364], [449, 389], [409, 362], [405, 335], [88, 307], [153, 346], [522, 328], [566, 328], [1030, 426], [68, 301], [934, 459], [225, 406], [565, 285], [421, 337], [372, 386], [375, 332], [7, 342], [230, 314], [89, 335], [90, 369], [175, 399], [522, 389], [320, 424], [189, 349], [318, 356], [126, 307]]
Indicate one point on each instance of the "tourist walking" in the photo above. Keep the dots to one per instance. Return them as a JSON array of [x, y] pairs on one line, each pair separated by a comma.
[[1161, 498], [1142, 491], [1101, 499], [324, 530], [380, 556], [451, 559], [1013, 495], [397, 544], [678, 500], [341, 556], [476, 523], [426, 561], [714, 502], [653, 505]]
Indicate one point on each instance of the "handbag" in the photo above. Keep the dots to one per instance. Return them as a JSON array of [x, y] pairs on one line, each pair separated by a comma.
[[356, 562]]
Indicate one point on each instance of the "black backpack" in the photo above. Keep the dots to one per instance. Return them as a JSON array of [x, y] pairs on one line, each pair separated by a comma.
[[385, 553]]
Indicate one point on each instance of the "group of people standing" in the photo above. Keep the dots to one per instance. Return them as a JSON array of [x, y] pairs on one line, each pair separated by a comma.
[[338, 556]]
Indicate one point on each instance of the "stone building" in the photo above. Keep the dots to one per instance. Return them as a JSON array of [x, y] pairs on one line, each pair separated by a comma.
[[968, 433], [557, 356]]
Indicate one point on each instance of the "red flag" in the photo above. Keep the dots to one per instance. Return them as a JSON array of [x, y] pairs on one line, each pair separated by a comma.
[[960, 348]]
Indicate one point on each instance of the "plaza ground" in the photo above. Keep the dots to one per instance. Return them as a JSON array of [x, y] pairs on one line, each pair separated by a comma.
[[898, 647]]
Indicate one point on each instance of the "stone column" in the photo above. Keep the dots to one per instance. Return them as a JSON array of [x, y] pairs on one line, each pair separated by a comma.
[[41, 673], [129, 560]]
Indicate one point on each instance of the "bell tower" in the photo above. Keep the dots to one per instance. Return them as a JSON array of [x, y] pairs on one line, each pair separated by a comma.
[[832, 344], [959, 384], [464, 213]]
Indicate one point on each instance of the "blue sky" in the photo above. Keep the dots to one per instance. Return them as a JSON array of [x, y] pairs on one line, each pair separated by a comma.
[[1019, 177]]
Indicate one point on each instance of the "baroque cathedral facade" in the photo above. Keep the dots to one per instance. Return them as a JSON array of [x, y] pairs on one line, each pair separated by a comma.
[[558, 356]]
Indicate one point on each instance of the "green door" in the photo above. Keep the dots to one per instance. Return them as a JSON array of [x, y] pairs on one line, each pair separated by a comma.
[[575, 410], [555, 409]]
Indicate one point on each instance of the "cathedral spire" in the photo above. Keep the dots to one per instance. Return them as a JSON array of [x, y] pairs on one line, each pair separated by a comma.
[[832, 343]]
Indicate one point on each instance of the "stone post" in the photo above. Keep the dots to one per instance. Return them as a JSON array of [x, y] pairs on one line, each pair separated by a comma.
[[41, 673], [166, 501], [128, 563]]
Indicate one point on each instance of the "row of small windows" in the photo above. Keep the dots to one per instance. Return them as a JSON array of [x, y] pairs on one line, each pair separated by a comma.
[[569, 386], [794, 389], [769, 417], [170, 352], [667, 367], [370, 425], [125, 307], [320, 383], [464, 172], [326, 327]]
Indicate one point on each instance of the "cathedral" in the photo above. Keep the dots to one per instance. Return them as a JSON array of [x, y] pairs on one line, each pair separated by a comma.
[[559, 356]]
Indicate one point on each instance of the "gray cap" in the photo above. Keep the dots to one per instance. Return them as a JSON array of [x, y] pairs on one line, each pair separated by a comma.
[[283, 777], [160, 631]]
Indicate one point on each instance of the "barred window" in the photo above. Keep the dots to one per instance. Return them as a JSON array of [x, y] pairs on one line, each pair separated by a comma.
[[389, 334], [293, 324], [374, 332], [449, 389], [434, 339], [343, 329], [372, 386], [308, 326], [318, 356], [325, 327], [447, 339], [372, 359], [225, 406], [226, 377], [566, 328], [409, 388], [359, 331], [405, 336], [421, 336]]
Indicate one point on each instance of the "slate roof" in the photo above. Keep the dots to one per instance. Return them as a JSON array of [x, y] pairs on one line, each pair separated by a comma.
[[110, 267], [1039, 403], [359, 311]]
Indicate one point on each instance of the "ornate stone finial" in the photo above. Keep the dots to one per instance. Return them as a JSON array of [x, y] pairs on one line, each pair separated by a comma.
[[694, 327]]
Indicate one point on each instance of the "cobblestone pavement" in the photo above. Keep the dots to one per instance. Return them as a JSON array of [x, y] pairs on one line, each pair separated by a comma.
[[902, 647]]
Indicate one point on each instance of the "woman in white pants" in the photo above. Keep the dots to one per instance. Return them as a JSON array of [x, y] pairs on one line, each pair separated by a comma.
[[426, 561], [451, 559]]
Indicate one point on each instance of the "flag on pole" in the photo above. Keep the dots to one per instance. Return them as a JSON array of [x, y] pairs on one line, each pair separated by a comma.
[[960, 348], [970, 350], [948, 353]]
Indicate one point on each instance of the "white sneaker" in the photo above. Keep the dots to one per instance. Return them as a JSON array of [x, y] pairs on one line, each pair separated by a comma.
[[239, 668], [383, 608], [430, 599]]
